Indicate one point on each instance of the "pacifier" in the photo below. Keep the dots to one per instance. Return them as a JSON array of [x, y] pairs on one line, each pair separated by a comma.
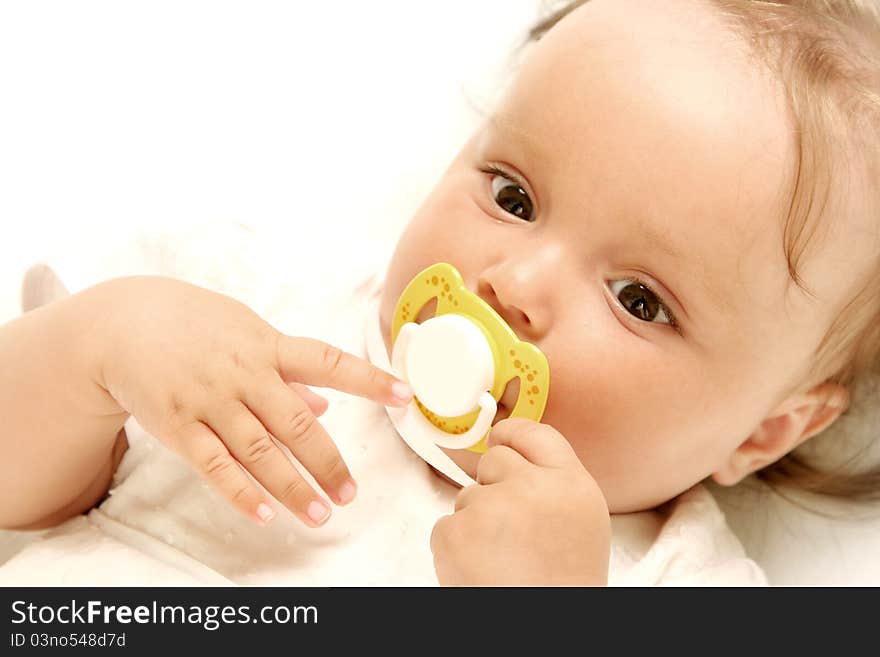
[[460, 361]]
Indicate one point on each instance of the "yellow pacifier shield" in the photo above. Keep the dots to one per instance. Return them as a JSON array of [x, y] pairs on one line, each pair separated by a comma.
[[512, 357]]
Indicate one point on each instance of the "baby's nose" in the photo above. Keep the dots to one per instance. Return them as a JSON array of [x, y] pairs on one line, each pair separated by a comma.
[[523, 310]]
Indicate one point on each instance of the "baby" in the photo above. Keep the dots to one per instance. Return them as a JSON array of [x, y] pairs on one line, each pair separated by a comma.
[[661, 202]]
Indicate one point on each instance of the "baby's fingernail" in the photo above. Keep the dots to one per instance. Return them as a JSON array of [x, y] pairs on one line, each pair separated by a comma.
[[265, 512], [347, 492], [401, 390], [318, 511]]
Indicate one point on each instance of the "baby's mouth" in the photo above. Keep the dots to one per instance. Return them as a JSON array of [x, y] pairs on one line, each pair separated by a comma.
[[507, 401]]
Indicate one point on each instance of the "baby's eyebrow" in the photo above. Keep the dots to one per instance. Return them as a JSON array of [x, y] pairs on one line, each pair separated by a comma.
[[660, 240], [717, 297], [509, 128]]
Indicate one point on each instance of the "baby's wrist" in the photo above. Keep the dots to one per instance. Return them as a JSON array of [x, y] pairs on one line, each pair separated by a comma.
[[94, 334]]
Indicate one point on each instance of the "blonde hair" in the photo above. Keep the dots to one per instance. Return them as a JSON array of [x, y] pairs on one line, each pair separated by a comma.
[[826, 55]]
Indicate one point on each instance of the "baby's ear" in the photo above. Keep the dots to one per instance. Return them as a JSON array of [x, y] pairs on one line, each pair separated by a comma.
[[796, 419]]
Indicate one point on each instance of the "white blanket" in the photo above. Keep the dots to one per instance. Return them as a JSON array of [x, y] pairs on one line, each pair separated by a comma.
[[162, 525]]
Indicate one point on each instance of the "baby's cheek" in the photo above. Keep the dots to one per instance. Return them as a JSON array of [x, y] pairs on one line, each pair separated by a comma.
[[646, 424], [428, 239], [610, 412], [576, 415]]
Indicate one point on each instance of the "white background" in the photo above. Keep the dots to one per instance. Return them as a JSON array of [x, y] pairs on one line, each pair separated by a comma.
[[118, 117]]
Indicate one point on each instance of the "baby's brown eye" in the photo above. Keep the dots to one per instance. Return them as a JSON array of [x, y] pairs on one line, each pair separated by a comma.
[[512, 198], [639, 301]]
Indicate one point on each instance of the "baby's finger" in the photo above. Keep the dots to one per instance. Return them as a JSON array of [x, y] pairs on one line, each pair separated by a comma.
[[210, 458], [470, 495], [289, 419], [541, 444], [315, 402], [253, 447], [498, 464], [311, 361]]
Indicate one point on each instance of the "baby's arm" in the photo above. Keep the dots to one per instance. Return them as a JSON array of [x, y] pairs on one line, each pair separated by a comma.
[[61, 433], [199, 370]]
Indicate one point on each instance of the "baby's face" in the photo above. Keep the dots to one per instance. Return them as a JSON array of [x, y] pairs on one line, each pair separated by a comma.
[[622, 209]]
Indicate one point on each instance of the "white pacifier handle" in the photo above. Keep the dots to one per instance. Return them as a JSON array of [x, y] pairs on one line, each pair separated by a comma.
[[472, 436]]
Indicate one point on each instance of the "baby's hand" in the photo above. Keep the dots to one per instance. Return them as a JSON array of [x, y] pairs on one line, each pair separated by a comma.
[[212, 380], [535, 518]]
